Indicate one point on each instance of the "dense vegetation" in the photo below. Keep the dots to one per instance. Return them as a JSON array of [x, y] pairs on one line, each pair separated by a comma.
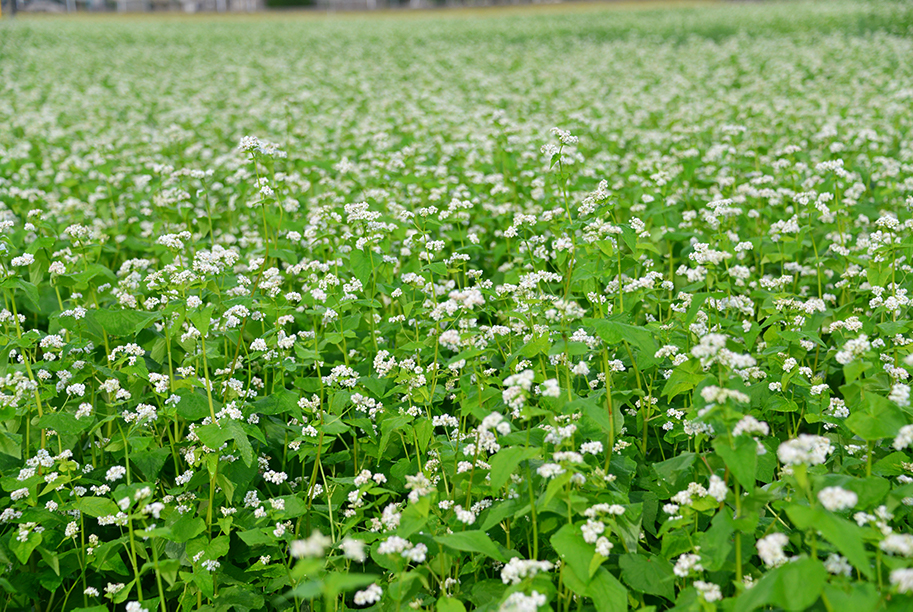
[[332, 316]]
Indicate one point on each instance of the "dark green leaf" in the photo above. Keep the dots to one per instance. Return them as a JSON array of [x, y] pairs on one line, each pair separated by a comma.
[[648, 574]]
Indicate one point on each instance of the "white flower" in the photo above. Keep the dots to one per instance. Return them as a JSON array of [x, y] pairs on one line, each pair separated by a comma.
[[26, 259], [517, 569], [836, 498], [592, 530], [591, 448], [353, 549], [904, 437], [898, 544], [770, 549], [520, 602], [749, 425], [686, 564], [604, 547], [550, 388], [717, 488], [837, 565], [902, 579], [708, 590], [370, 595], [115, 473], [806, 449], [550, 470], [581, 369], [313, 546]]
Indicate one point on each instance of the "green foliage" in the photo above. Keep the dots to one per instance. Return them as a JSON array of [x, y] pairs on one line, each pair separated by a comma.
[[407, 348]]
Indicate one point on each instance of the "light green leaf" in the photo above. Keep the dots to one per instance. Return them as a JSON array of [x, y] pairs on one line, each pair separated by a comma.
[[506, 461], [843, 534], [122, 322], [449, 604], [573, 550], [607, 593], [186, 528], [471, 541], [794, 587], [64, 423], [97, 506], [684, 378], [742, 460], [875, 417]]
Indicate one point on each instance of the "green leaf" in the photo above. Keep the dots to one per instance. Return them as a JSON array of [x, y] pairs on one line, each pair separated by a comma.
[[568, 542], [201, 318], [241, 598], [80, 280], [30, 291], [150, 462], [51, 558], [648, 574], [844, 535], [778, 403], [500, 511], [362, 265], [871, 491], [10, 444], [122, 322], [424, 430], [875, 417], [256, 537], [607, 593], [449, 604], [716, 542], [187, 527], [794, 587], [228, 487], [598, 412], [742, 460], [672, 469], [471, 541], [414, 517], [281, 402], [858, 597], [506, 461], [684, 378], [240, 438], [336, 582], [215, 549], [388, 427], [194, 406], [23, 550], [64, 423], [614, 332], [213, 435], [97, 506], [536, 346]]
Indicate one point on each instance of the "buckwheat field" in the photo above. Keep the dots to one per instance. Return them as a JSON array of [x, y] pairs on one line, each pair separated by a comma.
[[570, 310]]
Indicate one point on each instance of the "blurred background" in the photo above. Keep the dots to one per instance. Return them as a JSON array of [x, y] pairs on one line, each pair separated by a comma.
[[12, 7]]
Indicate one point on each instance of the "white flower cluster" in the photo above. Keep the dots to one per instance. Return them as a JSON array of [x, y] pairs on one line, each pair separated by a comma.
[[517, 569]]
